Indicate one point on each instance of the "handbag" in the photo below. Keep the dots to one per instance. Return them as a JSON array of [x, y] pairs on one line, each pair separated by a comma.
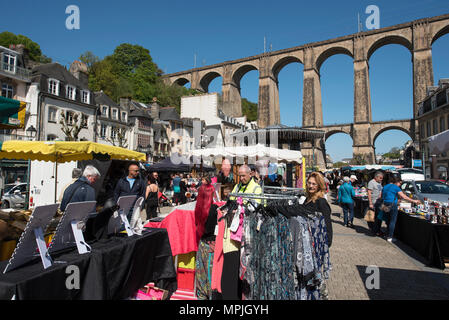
[[385, 208], [370, 215]]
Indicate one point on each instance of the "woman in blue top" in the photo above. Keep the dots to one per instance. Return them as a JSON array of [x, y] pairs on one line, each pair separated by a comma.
[[390, 194], [346, 194]]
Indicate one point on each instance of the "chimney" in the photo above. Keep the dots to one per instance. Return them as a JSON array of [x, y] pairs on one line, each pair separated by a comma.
[[79, 71], [155, 109], [125, 102], [23, 51]]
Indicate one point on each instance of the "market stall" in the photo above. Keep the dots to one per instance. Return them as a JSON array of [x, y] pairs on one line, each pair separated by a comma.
[[143, 259], [425, 229]]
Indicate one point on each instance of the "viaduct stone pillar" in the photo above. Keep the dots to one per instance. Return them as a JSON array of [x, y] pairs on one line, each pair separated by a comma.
[[268, 106], [312, 113], [363, 145], [422, 63], [195, 83], [232, 101]]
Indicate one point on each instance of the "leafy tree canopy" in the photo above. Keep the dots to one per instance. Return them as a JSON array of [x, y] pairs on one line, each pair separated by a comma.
[[7, 38]]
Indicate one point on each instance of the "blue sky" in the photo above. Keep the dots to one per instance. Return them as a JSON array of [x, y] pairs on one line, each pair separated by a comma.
[[217, 31]]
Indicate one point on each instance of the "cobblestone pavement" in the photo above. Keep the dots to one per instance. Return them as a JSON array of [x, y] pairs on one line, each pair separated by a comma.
[[402, 273]]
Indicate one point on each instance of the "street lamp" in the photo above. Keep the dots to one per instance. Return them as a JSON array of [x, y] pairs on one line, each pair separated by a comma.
[[31, 132]]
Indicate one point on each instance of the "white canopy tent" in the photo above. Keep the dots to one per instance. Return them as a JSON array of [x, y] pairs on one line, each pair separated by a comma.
[[259, 151]]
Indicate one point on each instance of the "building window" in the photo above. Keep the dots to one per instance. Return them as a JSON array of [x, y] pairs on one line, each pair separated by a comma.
[[70, 92], [85, 96], [428, 132], [421, 130], [442, 126], [53, 87], [52, 111], [69, 118], [84, 120], [114, 114], [7, 90], [124, 116], [113, 133], [9, 62], [104, 111], [435, 126], [103, 129]]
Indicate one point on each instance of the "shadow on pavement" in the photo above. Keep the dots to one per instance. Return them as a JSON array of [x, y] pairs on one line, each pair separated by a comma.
[[400, 284]]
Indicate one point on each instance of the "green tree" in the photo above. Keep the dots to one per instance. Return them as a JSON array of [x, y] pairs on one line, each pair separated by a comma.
[[35, 52], [89, 59], [249, 109]]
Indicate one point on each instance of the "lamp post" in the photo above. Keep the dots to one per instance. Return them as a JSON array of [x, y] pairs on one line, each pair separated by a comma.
[[31, 132]]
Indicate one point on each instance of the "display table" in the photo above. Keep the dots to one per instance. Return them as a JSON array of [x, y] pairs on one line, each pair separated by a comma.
[[115, 269], [360, 206], [431, 241]]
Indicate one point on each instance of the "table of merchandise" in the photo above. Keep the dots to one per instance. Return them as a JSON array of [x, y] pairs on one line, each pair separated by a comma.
[[360, 206], [115, 269], [430, 240]]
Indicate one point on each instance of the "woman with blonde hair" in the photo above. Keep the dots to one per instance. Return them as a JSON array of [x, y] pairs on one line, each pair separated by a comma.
[[315, 200]]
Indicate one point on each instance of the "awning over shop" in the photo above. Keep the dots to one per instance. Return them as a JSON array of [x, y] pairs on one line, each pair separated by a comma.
[[258, 150], [12, 113], [439, 143], [64, 151]]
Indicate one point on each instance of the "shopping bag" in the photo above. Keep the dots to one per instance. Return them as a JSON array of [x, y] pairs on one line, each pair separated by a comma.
[[370, 215]]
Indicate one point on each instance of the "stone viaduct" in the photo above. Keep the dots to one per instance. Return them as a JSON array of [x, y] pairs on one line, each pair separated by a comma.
[[417, 36]]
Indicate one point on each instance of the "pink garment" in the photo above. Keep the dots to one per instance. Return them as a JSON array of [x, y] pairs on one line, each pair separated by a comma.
[[204, 201], [180, 225], [214, 180], [217, 268], [237, 236]]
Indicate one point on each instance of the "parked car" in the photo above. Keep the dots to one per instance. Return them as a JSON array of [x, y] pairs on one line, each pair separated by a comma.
[[430, 189], [14, 196], [411, 174]]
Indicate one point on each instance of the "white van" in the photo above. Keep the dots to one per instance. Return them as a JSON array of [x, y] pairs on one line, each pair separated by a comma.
[[411, 174]]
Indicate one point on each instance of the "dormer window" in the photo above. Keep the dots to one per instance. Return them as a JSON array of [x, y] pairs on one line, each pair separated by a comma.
[[85, 96], [53, 86], [9, 62], [114, 114], [104, 111], [124, 116], [70, 92]]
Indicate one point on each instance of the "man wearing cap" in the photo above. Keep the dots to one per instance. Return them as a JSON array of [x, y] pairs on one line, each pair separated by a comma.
[[353, 179]]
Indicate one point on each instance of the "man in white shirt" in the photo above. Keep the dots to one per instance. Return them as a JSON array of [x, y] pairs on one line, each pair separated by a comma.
[[375, 191]]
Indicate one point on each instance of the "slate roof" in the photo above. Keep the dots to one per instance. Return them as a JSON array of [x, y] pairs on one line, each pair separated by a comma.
[[169, 113], [58, 72], [103, 99]]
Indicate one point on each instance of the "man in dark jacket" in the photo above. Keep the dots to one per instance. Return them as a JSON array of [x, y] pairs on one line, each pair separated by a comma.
[[131, 185], [81, 190]]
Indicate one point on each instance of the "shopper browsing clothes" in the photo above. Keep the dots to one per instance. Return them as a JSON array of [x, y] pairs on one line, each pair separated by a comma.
[[151, 196], [389, 209], [346, 194], [315, 200]]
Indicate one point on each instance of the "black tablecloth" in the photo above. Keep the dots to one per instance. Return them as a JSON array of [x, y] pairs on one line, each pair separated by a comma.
[[360, 206], [430, 240], [115, 269]]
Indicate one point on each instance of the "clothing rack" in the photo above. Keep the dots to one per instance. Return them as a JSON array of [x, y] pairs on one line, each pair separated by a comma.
[[263, 196]]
